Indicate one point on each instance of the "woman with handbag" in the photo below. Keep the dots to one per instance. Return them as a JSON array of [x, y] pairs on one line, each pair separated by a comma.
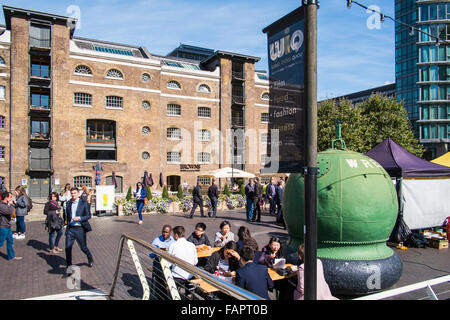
[[54, 222], [141, 196]]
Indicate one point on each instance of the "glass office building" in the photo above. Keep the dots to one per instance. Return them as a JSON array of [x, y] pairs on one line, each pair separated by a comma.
[[423, 70]]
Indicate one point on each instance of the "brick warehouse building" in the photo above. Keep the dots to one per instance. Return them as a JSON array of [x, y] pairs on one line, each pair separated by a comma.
[[67, 102]]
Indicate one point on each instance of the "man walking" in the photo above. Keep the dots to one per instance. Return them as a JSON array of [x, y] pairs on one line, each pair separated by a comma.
[[213, 194], [78, 214], [197, 199], [250, 194], [256, 201], [6, 211], [270, 193]]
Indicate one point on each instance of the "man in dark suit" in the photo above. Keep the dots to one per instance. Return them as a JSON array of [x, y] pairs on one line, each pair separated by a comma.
[[78, 212], [213, 194], [256, 201], [253, 277], [197, 199], [270, 193]]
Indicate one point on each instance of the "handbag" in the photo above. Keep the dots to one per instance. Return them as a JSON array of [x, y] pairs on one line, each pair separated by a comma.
[[13, 216], [145, 201]]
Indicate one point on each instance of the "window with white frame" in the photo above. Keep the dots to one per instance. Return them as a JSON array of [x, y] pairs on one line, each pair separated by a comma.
[[2, 122], [2, 92], [83, 70], [174, 133], [173, 157], [204, 157], [145, 155], [204, 112], [173, 85], [114, 102], [204, 180], [265, 138], [265, 96], [265, 159], [264, 117], [145, 130], [203, 135], [114, 74], [79, 181], [173, 109], [2, 153], [82, 98], [204, 88]]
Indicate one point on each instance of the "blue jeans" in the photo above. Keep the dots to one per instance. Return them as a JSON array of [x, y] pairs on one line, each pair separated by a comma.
[[139, 206], [6, 234], [249, 209], [51, 235], [20, 224]]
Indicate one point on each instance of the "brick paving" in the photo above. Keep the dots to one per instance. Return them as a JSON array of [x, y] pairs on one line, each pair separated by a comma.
[[40, 273]]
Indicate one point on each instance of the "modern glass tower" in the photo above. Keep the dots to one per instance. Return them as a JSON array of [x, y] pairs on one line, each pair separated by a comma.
[[423, 70]]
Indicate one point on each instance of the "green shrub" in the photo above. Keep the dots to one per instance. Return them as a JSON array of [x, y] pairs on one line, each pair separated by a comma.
[[242, 191], [129, 194], [149, 193], [165, 193], [226, 190], [180, 194]]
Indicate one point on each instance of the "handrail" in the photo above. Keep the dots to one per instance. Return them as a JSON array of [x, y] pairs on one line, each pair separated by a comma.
[[225, 287], [412, 287]]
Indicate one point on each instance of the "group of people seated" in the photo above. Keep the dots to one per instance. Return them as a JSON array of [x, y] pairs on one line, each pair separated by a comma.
[[239, 259]]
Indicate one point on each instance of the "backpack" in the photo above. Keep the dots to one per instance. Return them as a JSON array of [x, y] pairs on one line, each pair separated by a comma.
[[29, 204]]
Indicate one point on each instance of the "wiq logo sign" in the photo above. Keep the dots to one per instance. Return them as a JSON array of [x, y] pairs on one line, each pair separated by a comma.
[[287, 44], [374, 21]]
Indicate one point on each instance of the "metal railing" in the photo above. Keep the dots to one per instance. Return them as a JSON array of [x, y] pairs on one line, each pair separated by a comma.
[[171, 286], [406, 289]]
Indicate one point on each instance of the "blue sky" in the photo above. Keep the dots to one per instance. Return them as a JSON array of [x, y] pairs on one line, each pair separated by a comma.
[[351, 56]]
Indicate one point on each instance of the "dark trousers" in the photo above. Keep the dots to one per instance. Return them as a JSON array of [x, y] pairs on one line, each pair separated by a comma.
[[280, 218], [76, 234], [195, 207], [272, 207], [214, 206], [256, 210]]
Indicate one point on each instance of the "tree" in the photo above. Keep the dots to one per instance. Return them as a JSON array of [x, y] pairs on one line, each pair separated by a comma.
[[149, 193], [366, 124], [129, 194], [180, 193], [165, 193], [226, 190], [242, 190]]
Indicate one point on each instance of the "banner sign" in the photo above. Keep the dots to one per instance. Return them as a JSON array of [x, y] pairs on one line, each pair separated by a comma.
[[287, 121], [104, 196]]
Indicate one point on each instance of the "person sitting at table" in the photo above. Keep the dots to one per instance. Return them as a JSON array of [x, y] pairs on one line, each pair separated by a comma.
[[184, 250], [272, 251], [253, 277], [224, 235], [322, 289], [199, 237], [245, 239], [226, 260], [162, 242]]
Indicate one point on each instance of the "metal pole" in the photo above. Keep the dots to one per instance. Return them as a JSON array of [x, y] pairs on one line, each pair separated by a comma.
[[311, 170]]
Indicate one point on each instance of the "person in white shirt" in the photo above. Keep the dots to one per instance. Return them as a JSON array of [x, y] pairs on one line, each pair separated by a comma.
[[184, 250]]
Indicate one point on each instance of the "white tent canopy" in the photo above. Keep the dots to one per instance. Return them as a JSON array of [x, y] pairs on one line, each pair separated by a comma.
[[228, 172]]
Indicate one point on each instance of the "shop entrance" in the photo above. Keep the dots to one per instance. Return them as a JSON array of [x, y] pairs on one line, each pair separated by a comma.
[[173, 182]]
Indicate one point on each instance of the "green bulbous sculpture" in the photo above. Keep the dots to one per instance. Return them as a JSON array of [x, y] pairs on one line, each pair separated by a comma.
[[356, 212]]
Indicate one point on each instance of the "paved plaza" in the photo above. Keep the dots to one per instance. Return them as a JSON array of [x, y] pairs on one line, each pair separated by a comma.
[[40, 273]]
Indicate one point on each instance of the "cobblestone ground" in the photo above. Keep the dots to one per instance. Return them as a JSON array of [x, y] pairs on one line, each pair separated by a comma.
[[39, 273]]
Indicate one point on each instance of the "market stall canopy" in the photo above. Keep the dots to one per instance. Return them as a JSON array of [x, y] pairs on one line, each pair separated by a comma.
[[443, 160], [395, 159], [228, 172]]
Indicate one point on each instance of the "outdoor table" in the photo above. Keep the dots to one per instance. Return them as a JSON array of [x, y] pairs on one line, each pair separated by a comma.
[[207, 252], [275, 276]]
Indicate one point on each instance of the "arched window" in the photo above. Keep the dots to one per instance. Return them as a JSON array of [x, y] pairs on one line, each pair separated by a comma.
[[265, 96], [204, 88], [2, 61], [83, 70], [173, 85], [119, 181], [114, 74], [145, 77]]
